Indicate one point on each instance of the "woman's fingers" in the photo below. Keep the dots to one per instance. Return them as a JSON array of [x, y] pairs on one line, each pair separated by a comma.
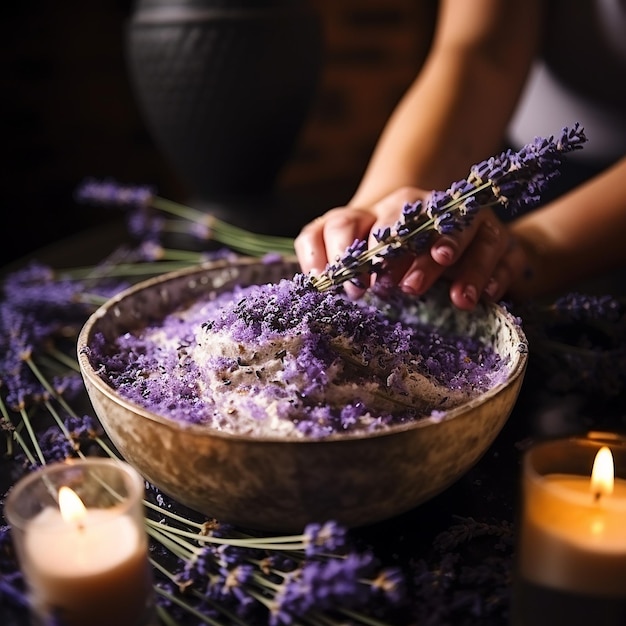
[[420, 275], [474, 258], [480, 259], [489, 265], [510, 268], [325, 240], [475, 268], [472, 252]]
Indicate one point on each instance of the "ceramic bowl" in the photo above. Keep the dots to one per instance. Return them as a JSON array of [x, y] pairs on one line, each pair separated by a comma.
[[276, 484]]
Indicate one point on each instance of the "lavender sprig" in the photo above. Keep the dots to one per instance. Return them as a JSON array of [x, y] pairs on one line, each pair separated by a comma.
[[147, 218], [511, 179]]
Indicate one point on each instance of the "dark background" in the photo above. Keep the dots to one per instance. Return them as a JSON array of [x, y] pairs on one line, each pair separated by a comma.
[[67, 113], [67, 110]]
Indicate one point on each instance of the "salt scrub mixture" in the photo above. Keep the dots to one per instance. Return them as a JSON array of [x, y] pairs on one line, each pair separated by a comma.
[[284, 359]]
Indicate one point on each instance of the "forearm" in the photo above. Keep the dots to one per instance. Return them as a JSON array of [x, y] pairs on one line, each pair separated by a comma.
[[456, 112], [575, 237]]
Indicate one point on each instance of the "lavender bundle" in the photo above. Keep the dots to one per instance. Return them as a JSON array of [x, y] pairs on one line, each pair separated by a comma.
[[146, 219], [205, 571], [511, 179]]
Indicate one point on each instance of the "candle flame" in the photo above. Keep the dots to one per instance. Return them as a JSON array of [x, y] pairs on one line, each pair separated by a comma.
[[71, 506], [603, 473]]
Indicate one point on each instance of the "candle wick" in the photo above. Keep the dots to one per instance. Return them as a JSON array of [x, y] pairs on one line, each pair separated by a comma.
[[597, 495]]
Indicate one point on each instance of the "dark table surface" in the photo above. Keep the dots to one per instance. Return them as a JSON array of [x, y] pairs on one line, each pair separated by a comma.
[[472, 519]]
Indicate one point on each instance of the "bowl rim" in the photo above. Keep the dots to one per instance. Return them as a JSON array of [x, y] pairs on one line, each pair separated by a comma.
[[88, 372]]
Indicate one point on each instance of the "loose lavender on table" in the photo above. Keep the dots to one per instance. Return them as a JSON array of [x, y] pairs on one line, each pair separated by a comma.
[[233, 577], [511, 179]]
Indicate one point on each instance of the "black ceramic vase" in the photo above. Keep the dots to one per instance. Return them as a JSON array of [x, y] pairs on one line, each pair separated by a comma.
[[224, 87]]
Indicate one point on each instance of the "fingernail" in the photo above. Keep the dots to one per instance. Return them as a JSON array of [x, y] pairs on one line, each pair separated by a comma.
[[444, 254], [470, 294], [413, 282], [491, 288]]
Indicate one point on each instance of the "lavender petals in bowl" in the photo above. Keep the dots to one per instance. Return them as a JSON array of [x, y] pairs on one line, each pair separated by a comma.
[[245, 394]]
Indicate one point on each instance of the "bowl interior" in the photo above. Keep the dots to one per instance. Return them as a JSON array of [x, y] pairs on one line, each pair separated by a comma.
[[275, 484]]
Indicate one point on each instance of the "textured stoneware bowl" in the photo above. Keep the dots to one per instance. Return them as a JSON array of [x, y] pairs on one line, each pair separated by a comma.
[[277, 484]]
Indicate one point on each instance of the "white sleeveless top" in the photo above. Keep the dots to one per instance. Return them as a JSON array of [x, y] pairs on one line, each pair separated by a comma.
[[580, 77]]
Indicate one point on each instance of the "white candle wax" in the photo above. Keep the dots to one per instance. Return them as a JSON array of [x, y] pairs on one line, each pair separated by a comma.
[[572, 540], [94, 571]]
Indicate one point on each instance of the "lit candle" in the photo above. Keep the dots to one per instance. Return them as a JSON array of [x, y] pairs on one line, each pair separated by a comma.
[[84, 561], [571, 562]]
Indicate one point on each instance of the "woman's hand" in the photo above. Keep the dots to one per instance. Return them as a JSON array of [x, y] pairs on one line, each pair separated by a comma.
[[482, 259]]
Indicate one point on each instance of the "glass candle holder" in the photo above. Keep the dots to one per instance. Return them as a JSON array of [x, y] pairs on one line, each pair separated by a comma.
[[571, 556], [78, 530]]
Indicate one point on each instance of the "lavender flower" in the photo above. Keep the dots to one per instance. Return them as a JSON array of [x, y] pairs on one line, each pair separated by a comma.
[[512, 179], [250, 578], [323, 585], [12, 584], [38, 310], [54, 300], [150, 216], [579, 344], [109, 192], [21, 335], [457, 588], [582, 307], [54, 445], [390, 583], [329, 537]]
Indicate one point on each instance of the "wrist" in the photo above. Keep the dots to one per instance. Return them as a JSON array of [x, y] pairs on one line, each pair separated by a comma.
[[535, 273]]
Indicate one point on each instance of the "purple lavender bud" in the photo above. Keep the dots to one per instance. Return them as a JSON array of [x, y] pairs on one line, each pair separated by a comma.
[[583, 307], [150, 251], [12, 584], [108, 192], [411, 210], [382, 234], [144, 225], [446, 223], [391, 583], [70, 386], [54, 445], [419, 242], [514, 179], [84, 427], [350, 257], [461, 188], [271, 258], [469, 206], [321, 585], [437, 202], [571, 138], [327, 537], [200, 230]]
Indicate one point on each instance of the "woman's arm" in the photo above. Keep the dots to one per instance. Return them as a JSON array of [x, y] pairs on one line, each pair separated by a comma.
[[579, 235], [453, 116], [456, 112]]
